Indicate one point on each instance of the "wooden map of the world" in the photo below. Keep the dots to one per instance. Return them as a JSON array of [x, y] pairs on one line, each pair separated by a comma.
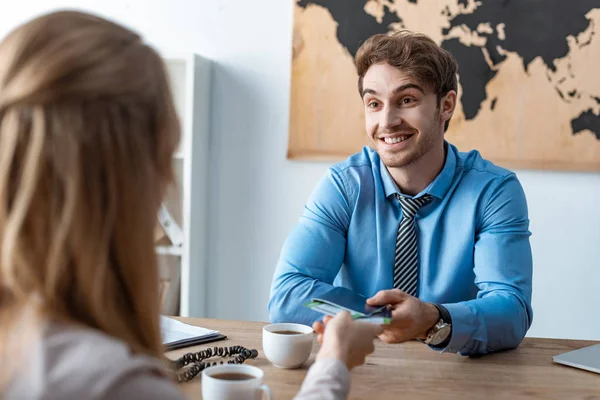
[[529, 81]]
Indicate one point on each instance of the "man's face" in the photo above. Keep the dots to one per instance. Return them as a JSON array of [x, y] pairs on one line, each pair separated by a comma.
[[403, 118]]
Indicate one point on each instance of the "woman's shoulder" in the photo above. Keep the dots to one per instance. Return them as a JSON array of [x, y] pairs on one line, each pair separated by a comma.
[[78, 358], [78, 362], [71, 345]]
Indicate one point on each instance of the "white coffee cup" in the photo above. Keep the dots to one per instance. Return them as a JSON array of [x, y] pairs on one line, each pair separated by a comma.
[[214, 388], [287, 350]]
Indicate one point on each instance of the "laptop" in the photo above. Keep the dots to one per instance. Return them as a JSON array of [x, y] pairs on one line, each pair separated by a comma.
[[587, 358]]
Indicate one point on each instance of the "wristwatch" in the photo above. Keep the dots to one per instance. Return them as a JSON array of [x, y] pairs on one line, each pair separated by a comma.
[[440, 333]]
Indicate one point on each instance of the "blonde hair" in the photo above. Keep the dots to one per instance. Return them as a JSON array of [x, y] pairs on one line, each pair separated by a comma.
[[87, 132]]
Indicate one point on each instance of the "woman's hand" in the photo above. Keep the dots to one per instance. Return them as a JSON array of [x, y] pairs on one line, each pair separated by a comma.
[[345, 339]]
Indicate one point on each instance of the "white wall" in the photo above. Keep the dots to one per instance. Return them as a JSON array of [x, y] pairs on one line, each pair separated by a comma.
[[256, 195], [564, 209]]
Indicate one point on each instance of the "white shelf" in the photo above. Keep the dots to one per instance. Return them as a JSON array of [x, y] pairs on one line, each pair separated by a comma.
[[190, 84]]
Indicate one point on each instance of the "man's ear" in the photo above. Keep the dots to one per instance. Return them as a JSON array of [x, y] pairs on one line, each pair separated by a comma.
[[447, 106]]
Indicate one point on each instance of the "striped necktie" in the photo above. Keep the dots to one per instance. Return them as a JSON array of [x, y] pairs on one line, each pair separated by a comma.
[[406, 259]]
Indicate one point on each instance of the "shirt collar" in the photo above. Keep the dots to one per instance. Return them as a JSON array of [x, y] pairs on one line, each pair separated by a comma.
[[440, 185]]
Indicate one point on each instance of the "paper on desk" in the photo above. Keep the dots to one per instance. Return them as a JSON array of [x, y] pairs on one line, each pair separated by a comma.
[[175, 331]]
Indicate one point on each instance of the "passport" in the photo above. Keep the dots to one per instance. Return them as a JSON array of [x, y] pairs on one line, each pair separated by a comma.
[[341, 299]]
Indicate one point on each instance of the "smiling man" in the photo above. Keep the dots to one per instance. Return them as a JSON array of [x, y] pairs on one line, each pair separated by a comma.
[[440, 235]]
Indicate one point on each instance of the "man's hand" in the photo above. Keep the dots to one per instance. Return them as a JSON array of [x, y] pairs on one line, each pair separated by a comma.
[[411, 318]]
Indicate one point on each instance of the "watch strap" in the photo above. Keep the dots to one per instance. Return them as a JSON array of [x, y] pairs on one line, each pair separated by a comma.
[[444, 313]]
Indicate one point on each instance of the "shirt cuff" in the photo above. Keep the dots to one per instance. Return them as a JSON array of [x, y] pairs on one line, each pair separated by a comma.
[[327, 379], [331, 366], [462, 326]]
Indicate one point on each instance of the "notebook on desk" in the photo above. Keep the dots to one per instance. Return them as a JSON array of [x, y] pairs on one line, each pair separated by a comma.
[[587, 358], [176, 334]]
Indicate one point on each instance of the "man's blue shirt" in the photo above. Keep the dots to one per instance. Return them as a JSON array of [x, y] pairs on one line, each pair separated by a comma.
[[473, 237]]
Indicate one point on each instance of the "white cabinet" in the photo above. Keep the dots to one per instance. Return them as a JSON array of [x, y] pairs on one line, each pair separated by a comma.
[[183, 268]]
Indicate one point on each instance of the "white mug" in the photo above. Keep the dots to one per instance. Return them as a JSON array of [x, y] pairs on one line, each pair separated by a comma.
[[214, 388], [287, 351]]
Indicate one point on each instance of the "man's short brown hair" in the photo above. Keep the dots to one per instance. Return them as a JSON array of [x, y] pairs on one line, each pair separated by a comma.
[[413, 53]]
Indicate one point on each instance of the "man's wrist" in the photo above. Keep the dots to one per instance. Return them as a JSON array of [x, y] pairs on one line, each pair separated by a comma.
[[432, 316], [446, 318]]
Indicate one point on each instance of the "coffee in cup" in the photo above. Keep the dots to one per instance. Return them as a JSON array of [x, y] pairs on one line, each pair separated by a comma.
[[232, 376], [287, 345], [233, 382]]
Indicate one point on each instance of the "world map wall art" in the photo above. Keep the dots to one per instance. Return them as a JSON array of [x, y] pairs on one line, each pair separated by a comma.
[[529, 81]]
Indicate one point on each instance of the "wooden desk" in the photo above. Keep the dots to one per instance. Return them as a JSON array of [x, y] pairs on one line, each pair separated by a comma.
[[413, 371]]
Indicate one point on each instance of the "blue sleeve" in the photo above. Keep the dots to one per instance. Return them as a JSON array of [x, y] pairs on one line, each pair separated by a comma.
[[313, 253], [501, 315]]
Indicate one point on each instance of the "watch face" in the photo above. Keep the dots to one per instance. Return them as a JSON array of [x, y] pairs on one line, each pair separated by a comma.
[[441, 335]]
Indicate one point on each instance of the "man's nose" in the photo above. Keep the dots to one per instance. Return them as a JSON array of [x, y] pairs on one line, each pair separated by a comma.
[[390, 118]]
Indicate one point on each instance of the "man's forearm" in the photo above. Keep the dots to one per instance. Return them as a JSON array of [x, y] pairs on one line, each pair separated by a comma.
[[495, 322], [289, 293], [310, 260]]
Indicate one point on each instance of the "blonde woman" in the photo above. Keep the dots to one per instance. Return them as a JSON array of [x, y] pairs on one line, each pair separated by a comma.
[[87, 132]]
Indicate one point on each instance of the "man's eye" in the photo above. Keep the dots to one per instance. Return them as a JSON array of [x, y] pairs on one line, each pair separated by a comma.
[[373, 104], [407, 100]]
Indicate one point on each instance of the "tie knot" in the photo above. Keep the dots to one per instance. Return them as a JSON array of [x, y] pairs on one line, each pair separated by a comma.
[[411, 206]]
